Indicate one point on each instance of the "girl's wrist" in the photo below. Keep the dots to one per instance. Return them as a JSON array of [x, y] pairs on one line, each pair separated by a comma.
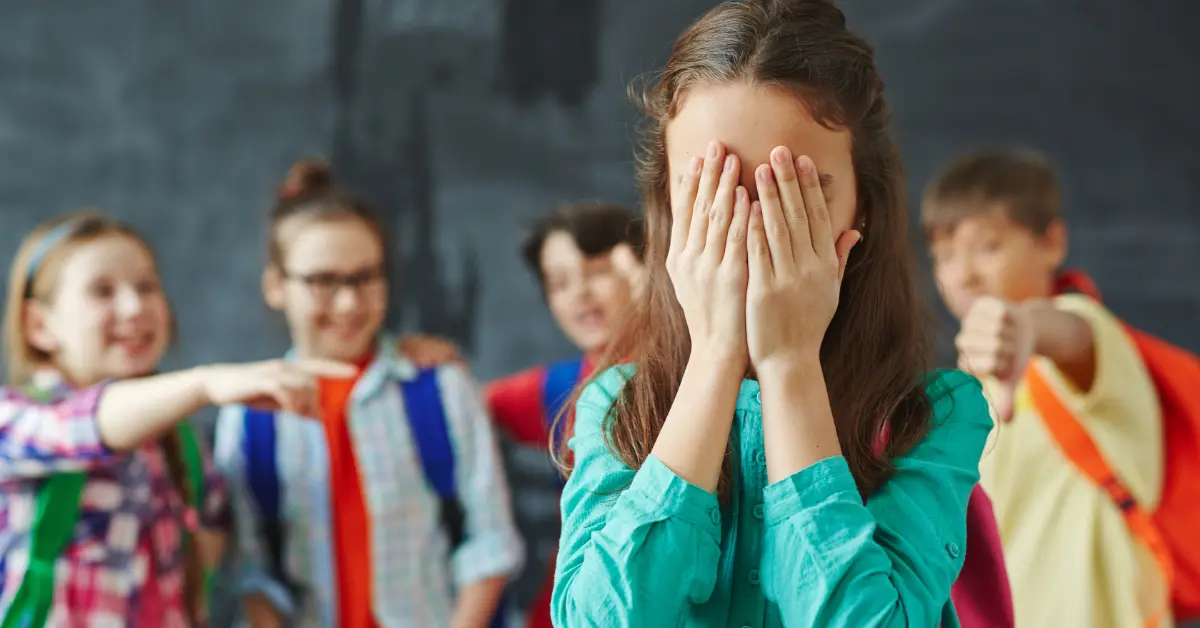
[[200, 383], [721, 361], [790, 367]]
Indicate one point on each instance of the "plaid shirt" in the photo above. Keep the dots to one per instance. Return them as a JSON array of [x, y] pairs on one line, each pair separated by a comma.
[[414, 576], [128, 538]]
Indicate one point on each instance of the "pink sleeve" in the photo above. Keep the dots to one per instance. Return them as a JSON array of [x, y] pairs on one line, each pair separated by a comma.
[[38, 439]]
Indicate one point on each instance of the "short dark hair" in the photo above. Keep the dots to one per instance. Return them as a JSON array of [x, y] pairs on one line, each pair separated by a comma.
[[1021, 183], [596, 228]]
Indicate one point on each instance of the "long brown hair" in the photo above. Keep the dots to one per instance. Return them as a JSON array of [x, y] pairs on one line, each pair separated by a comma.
[[877, 346], [43, 252]]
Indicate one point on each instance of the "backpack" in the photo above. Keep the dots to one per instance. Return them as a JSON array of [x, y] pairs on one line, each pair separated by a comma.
[[427, 422], [981, 594], [561, 379], [1169, 532], [56, 511]]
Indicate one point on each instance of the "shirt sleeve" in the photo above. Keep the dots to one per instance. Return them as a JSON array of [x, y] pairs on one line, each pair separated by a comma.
[[830, 560], [492, 546], [1121, 411], [638, 548], [516, 405], [250, 563], [39, 439]]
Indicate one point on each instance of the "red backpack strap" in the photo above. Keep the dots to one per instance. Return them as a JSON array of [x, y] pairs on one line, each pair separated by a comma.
[[1083, 453]]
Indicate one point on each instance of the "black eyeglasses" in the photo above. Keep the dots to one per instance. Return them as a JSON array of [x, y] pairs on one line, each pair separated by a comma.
[[323, 286]]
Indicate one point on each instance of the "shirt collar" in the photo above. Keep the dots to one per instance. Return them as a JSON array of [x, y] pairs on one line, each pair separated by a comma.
[[387, 366], [49, 382]]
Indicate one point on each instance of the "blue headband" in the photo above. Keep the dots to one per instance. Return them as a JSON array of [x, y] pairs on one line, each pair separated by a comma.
[[44, 246]]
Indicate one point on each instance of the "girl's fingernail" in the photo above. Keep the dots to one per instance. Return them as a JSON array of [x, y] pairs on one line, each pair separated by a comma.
[[804, 164], [728, 163], [695, 164]]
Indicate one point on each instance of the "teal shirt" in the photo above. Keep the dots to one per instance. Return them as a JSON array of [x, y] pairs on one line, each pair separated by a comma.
[[646, 549]]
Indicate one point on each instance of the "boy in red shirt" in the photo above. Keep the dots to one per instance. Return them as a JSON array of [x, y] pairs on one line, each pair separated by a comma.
[[587, 258]]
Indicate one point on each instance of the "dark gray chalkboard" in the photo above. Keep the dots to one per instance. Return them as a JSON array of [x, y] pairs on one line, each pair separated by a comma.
[[1106, 90], [463, 119]]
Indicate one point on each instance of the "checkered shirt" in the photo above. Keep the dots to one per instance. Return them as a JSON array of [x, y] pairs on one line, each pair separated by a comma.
[[129, 524]]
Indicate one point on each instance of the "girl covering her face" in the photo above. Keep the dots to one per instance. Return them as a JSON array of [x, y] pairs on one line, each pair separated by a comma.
[[86, 323], [829, 487]]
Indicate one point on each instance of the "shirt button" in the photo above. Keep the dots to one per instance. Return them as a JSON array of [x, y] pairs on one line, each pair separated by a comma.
[[953, 550], [715, 513], [758, 396], [758, 511], [754, 577], [760, 458]]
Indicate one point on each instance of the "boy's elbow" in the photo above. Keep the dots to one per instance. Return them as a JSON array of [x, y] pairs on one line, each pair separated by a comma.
[[1081, 371]]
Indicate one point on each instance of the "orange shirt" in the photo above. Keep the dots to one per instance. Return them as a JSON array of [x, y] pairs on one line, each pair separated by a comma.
[[351, 525]]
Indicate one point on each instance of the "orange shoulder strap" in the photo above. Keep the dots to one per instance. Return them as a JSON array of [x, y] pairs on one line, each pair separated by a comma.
[[1082, 451]]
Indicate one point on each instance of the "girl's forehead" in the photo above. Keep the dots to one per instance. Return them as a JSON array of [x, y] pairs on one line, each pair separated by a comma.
[[560, 249], [110, 254], [751, 120], [330, 245]]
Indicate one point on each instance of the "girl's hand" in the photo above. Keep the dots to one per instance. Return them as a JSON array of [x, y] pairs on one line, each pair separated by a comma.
[[285, 385], [428, 351], [795, 266], [706, 259]]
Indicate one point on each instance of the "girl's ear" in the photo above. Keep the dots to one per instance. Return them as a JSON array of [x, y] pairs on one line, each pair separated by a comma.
[[36, 329], [273, 287]]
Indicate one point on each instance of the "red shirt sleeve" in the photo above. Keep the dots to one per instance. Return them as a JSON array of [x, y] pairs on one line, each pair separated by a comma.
[[515, 403]]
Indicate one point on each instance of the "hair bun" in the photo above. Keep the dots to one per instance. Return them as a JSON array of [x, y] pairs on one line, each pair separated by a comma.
[[306, 178]]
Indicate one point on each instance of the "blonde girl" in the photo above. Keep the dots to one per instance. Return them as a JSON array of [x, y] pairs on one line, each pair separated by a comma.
[[85, 323]]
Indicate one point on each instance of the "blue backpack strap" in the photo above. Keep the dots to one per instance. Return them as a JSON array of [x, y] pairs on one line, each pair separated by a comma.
[[431, 433], [262, 467], [561, 379], [260, 452], [430, 430]]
